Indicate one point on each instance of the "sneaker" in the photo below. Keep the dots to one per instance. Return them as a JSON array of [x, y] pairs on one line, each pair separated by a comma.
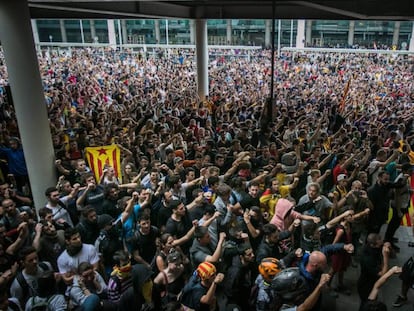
[[399, 301]]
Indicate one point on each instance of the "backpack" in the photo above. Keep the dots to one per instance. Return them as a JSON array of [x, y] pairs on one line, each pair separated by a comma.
[[27, 291], [41, 305]]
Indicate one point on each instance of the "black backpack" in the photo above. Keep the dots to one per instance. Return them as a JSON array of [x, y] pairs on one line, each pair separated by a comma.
[[26, 289]]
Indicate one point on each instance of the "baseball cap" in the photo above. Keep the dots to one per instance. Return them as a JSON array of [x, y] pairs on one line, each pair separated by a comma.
[[341, 177], [177, 160]]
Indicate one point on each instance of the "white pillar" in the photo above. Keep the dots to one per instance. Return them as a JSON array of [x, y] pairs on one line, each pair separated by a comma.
[[351, 32], [119, 33], [228, 32], [300, 35], [29, 101], [202, 58], [63, 30], [93, 29], [35, 32], [308, 32], [192, 31], [111, 33], [157, 32], [268, 32], [124, 31], [81, 31], [396, 33], [279, 34], [411, 46]]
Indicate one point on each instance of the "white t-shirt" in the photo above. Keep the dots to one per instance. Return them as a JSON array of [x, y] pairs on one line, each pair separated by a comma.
[[68, 263], [59, 212]]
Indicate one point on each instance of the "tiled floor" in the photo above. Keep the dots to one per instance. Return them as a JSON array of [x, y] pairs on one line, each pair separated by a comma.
[[388, 292]]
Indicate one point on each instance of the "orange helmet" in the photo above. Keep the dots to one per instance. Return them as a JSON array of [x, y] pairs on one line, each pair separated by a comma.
[[268, 268]]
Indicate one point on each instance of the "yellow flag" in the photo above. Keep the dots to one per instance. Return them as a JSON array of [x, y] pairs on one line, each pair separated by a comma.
[[99, 157]]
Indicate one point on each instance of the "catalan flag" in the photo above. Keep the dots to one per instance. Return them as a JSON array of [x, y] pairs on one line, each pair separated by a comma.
[[99, 157], [406, 220]]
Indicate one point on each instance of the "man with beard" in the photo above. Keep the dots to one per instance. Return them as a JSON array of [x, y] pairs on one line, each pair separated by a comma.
[[110, 203], [88, 226], [25, 283], [75, 253], [58, 205], [48, 243], [143, 242], [92, 195], [379, 194]]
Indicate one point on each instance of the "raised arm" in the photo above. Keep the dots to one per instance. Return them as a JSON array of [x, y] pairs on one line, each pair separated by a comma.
[[381, 281]]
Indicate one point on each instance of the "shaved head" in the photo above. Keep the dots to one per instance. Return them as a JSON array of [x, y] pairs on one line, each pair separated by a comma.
[[317, 262]]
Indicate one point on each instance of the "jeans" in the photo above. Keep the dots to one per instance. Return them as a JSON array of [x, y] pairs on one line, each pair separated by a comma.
[[91, 303]]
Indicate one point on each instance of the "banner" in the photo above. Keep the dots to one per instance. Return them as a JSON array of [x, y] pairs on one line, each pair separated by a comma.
[[100, 157]]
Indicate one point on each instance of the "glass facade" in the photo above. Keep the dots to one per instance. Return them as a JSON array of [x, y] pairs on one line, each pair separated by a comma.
[[319, 33]]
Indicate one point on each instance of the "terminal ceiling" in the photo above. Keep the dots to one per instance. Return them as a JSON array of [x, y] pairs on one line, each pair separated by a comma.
[[224, 9]]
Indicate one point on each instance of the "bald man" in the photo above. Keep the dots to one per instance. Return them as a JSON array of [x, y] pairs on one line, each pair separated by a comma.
[[316, 263], [313, 265]]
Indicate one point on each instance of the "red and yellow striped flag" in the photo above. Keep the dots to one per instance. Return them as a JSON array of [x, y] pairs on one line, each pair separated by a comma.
[[99, 157], [406, 220]]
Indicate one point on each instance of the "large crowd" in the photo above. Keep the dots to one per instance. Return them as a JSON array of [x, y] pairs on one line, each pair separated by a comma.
[[221, 204]]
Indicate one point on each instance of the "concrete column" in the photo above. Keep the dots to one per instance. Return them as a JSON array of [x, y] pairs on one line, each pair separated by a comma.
[[411, 45], [63, 30], [35, 32], [124, 31], [268, 33], [300, 35], [157, 33], [111, 32], [351, 32], [396, 34], [228, 32], [308, 32], [93, 29], [192, 31], [202, 58], [29, 101]]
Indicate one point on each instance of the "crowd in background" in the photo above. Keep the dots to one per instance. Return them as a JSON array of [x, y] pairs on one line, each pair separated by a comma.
[[217, 207]]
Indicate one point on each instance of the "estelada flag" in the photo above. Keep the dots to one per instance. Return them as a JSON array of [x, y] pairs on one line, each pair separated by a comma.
[[100, 157]]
